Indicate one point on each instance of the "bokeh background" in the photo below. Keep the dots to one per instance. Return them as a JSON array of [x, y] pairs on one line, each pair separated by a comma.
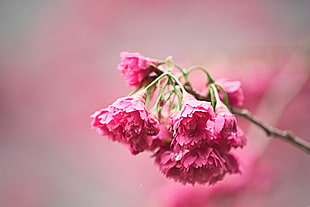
[[58, 65]]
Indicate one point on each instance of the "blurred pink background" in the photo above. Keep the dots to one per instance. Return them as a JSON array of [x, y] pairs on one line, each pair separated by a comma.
[[58, 65]]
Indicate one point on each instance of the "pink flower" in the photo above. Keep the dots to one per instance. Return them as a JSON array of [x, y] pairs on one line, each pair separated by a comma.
[[233, 90], [127, 121], [227, 134], [200, 165], [134, 68], [199, 150], [189, 125], [255, 178]]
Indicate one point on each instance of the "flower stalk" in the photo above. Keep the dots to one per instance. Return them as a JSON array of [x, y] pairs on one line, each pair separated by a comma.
[[269, 130]]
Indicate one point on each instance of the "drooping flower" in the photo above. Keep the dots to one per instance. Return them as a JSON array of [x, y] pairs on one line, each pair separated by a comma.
[[256, 178], [127, 121], [189, 124], [233, 90], [199, 165], [134, 68], [227, 134]]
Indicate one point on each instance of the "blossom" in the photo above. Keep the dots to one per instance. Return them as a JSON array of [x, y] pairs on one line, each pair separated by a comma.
[[134, 68], [200, 145], [201, 165], [256, 178], [189, 124], [227, 134], [127, 121], [233, 90]]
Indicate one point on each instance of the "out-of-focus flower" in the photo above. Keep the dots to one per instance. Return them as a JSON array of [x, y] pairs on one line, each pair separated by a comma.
[[233, 90], [200, 165], [256, 178], [134, 68], [127, 121], [189, 124]]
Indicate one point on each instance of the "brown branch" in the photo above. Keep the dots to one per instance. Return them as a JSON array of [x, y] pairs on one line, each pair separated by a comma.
[[269, 130], [274, 132], [188, 87]]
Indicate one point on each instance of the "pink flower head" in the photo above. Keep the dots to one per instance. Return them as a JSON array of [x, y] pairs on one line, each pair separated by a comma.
[[189, 124], [227, 134], [200, 165], [233, 90], [134, 68], [256, 178], [127, 121]]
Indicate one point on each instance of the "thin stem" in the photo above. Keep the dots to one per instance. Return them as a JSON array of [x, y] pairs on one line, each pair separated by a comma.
[[226, 100], [184, 73], [146, 89], [155, 81], [177, 94], [133, 92], [179, 68], [269, 130], [171, 101], [147, 99], [215, 92], [169, 93], [160, 94], [212, 98], [272, 131], [197, 67], [178, 82]]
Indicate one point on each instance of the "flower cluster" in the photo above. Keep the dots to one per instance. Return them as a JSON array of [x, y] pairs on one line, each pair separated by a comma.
[[191, 140], [201, 141], [256, 178]]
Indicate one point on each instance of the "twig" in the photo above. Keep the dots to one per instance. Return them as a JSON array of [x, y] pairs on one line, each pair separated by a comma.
[[274, 132], [269, 130], [188, 87]]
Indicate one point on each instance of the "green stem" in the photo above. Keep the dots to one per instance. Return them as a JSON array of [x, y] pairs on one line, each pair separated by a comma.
[[185, 76], [171, 99], [226, 100], [147, 99], [177, 93], [160, 94], [197, 67], [133, 92], [146, 89], [179, 68], [212, 97], [215, 92], [178, 82], [155, 81], [160, 63]]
